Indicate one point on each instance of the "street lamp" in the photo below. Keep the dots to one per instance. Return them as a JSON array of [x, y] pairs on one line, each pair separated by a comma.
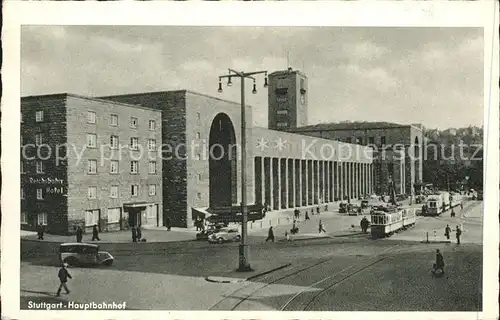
[[244, 263]]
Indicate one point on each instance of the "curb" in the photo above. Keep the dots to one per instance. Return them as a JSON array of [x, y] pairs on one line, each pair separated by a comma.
[[214, 279], [303, 239], [438, 241], [350, 235]]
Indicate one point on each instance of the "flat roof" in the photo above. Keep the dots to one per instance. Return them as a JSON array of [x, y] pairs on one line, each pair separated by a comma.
[[72, 95]]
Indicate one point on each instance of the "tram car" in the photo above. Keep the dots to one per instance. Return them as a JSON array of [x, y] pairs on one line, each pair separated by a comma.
[[385, 221], [438, 203], [455, 200]]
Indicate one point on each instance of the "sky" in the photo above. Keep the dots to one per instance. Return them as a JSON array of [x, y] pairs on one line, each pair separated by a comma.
[[432, 76]]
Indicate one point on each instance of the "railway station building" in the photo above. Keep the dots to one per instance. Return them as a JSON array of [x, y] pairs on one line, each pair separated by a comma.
[[198, 158]]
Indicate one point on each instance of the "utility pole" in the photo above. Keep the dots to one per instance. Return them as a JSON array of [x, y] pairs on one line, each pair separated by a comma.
[[244, 260]]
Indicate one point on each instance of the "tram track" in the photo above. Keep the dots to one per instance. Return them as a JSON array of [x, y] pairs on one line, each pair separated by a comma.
[[289, 304], [249, 295]]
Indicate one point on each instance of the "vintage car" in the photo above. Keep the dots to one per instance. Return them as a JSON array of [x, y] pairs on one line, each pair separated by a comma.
[[83, 254], [225, 235], [365, 203]]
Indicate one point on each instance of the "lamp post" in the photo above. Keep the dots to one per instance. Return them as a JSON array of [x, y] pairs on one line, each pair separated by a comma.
[[244, 263]]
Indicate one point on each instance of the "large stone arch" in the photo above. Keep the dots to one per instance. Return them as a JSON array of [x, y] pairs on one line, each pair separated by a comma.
[[222, 163]]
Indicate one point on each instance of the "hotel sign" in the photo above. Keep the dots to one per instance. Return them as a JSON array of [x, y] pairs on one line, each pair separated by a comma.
[[51, 181]]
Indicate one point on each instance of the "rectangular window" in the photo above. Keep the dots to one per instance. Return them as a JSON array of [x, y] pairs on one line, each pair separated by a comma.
[[39, 194], [371, 140], [382, 140], [114, 215], [134, 143], [92, 192], [152, 144], [39, 139], [113, 192], [200, 177], [281, 98], [282, 124], [113, 120], [22, 193], [92, 166], [42, 218], [134, 190], [151, 211], [282, 112], [359, 140], [133, 122], [198, 195], [114, 142], [113, 166], [91, 217], [134, 167], [24, 218], [152, 125], [39, 167], [90, 116], [152, 189], [152, 167], [39, 116], [91, 140], [198, 116], [348, 139], [198, 135]]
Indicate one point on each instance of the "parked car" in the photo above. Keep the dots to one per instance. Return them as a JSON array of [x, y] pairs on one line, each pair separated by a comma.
[[224, 235], [83, 254]]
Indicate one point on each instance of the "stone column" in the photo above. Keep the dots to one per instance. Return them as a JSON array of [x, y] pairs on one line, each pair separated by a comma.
[[286, 184]]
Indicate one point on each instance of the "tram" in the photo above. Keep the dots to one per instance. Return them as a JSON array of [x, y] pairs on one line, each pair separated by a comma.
[[391, 218]]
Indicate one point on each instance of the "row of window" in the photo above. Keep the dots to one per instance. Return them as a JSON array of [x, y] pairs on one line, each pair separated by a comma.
[[92, 216], [92, 192], [92, 119], [92, 167], [371, 140]]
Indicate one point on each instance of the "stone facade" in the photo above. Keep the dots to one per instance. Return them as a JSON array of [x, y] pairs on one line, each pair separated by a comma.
[[384, 137], [81, 197]]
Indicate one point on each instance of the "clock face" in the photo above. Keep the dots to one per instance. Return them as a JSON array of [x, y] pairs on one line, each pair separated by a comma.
[[303, 98]]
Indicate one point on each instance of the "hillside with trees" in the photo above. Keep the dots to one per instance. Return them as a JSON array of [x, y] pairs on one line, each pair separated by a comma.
[[454, 157]]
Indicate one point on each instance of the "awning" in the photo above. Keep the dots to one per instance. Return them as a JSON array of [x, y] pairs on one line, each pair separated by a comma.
[[137, 204]]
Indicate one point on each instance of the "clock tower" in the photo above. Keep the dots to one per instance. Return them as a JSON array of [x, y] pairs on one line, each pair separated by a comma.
[[287, 100]]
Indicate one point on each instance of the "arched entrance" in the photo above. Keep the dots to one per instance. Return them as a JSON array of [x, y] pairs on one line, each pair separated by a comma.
[[222, 163]]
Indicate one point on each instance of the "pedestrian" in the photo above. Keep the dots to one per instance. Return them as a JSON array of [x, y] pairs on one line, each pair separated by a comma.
[[320, 227], [447, 231], [63, 277], [362, 225], [326, 207], [134, 234], [439, 262], [452, 213], [95, 233], [307, 216], [40, 231], [270, 234], [168, 224], [312, 211], [317, 209], [79, 234], [461, 205], [459, 233], [139, 234]]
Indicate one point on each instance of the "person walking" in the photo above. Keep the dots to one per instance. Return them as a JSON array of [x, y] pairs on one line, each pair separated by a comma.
[[134, 234], [63, 275], [459, 233], [139, 234], [270, 234], [95, 233], [461, 206], [307, 216], [439, 262], [447, 231], [168, 224], [79, 234], [40, 231], [320, 227], [317, 209], [287, 236]]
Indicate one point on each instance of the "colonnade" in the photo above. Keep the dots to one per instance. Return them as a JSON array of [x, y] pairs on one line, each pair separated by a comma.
[[290, 183]]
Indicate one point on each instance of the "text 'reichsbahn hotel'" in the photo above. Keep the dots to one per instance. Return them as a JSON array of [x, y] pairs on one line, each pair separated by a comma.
[[140, 159]]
